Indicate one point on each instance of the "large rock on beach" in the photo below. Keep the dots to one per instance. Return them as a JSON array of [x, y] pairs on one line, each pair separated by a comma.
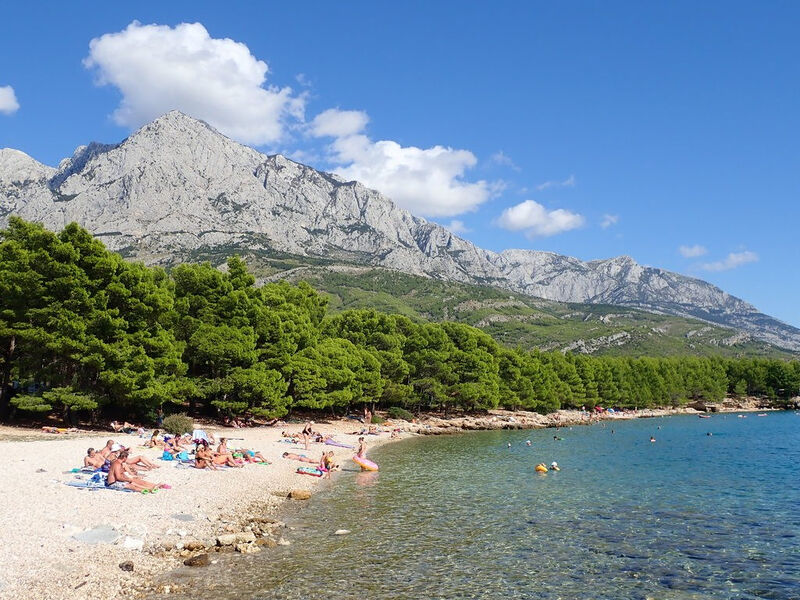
[[300, 495]]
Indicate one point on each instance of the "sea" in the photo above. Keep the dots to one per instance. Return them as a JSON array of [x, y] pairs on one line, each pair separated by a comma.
[[709, 510]]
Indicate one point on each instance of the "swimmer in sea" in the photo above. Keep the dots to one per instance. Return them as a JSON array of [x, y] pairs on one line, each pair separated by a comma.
[[509, 444], [528, 443], [652, 439]]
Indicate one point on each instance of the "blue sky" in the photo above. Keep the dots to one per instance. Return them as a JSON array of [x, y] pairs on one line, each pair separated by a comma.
[[591, 129]]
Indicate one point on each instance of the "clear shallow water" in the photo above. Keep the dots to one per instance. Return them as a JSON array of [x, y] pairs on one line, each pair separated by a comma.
[[689, 516]]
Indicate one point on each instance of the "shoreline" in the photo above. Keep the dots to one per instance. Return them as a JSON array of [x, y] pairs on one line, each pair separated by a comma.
[[41, 559]]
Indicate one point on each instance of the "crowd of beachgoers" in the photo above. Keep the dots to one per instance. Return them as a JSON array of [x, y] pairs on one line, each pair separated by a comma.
[[122, 466]]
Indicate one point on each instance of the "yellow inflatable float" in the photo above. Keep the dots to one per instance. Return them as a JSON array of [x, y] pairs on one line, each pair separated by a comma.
[[541, 468]]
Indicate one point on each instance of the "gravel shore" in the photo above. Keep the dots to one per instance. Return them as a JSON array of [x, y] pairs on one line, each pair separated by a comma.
[[42, 522]]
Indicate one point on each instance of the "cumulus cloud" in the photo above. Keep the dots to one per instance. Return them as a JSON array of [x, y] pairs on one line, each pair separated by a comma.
[[425, 181], [536, 221], [609, 220], [732, 261], [339, 123], [158, 68], [457, 227], [568, 182], [8, 100], [503, 159], [692, 251]]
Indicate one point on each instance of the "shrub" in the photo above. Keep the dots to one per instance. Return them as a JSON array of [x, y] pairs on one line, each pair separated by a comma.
[[397, 412], [377, 420], [178, 424]]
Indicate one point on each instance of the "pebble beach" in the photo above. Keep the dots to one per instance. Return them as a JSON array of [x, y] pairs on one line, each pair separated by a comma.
[[59, 541]]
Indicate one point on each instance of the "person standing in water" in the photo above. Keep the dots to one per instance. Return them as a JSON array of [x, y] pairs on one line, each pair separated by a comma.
[[362, 448]]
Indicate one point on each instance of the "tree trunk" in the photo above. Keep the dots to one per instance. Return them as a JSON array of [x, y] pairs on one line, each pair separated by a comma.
[[5, 379]]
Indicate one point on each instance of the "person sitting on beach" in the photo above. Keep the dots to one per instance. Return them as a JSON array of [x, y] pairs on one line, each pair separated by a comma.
[[326, 464], [154, 442], [300, 457], [118, 479], [203, 456], [111, 446], [93, 459], [223, 456]]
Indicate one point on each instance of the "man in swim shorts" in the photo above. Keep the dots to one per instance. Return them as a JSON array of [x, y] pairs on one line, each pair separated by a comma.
[[118, 479]]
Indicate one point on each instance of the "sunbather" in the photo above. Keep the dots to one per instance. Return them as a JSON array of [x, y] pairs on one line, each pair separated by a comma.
[[93, 459], [141, 461], [300, 457], [203, 456], [118, 479]]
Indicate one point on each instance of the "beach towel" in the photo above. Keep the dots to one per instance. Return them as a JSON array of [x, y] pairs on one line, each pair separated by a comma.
[[200, 434], [338, 444]]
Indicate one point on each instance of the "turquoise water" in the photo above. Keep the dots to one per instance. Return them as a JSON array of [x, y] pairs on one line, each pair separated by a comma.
[[689, 516]]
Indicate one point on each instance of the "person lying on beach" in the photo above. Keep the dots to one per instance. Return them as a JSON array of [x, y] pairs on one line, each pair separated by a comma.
[[93, 459], [118, 479], [141, 462], [253, 456], [47, 429], [300, 457]]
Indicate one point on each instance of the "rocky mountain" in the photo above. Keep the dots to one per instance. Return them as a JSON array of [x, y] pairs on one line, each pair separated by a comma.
[[178, 187]]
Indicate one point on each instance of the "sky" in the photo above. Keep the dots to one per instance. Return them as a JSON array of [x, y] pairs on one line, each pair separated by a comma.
[[669, 132]]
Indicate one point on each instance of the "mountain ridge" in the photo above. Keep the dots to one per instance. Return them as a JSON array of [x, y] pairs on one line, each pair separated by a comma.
[[177, 185]]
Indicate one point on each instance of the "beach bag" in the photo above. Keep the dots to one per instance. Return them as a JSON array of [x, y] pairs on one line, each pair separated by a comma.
[[183, 456], [167, 456]]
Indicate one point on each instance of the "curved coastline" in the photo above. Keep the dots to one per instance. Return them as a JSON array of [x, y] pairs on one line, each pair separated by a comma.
[[44, 559]]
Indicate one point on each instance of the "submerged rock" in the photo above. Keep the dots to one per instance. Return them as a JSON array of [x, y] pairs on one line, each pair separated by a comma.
[[300, 495]]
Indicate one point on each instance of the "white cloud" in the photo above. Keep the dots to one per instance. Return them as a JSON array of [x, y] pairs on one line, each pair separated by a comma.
[[8, 100], [501, 158], [733, 260], [609, 220], [568, 182], [457, 227], [692, 251], [158, 68], [537, 221], [425, 181], [339, 123]]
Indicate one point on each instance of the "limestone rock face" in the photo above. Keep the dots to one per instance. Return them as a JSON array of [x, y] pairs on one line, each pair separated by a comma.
[[178, 186]]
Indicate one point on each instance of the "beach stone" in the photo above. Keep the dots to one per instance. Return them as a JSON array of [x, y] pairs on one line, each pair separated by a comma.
[[132, 543], [102, 534], [341, 532], [194, 545], [284, 542], [300, 495], [268, 542], [183, 517], [126, 565], [201, 560], [226, 539], [247, 548]]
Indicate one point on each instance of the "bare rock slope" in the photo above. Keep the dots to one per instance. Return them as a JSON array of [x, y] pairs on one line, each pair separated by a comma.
[[178, 186]]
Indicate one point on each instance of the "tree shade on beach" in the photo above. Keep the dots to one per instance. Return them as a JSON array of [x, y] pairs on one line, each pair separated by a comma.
[[82, 329]]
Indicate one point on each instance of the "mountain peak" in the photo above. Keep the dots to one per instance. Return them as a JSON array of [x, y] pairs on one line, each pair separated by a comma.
[[16, 166]]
